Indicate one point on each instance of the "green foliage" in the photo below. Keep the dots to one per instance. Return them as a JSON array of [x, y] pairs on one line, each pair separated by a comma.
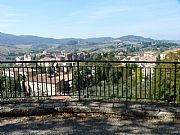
[[50, 70]]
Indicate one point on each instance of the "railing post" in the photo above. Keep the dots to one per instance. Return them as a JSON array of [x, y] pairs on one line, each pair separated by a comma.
[[79, 91], [175, 73]]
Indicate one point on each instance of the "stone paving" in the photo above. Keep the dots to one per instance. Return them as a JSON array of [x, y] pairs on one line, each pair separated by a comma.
[[87, 118], [63, 124]]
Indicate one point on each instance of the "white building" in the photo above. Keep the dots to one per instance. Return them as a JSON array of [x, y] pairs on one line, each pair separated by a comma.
[[27, 58], [149, 54], [12, 72], [148, 68], [46, 62], [46, 85], [22, 59]]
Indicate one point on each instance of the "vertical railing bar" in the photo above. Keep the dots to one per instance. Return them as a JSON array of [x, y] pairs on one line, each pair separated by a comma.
[[108, 68], [68, 88], [91, 81], [1, 88], [46, 77], [87, 82], [150, 82], [140, 82], [170, 83], [160, 79], [154, 83], [19, 83], [113, 80], [59, 69], [24, 80], [136, 81], [117, 92], [50, 79], [175, 73], [33, 81], [100, 79], [72, 89], [96, 80], [83, 77], [131, 83], [10, 83], [126, 84], [63, 82], [5, 82], [164, 92], [28, 87], [122, 86], [79, 92], [15, 82], [42, 91], [55, 80], [37, 81], [145, 82]]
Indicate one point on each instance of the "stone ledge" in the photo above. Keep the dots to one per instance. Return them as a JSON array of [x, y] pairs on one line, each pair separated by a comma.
[[8, 109], [117, 112]]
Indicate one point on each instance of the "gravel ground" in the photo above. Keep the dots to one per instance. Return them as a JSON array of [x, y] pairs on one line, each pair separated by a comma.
[[63, 124]]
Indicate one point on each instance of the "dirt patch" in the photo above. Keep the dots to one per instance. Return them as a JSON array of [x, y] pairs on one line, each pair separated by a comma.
[[63, 98]]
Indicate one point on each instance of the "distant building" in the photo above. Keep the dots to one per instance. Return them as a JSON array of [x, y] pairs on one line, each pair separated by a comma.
[[27, 58], [46, 62], [68, 56], [75, 57], [44, 52], [22, 59], [164, 54], [148, 68], [63, 66], [150, 54], [49, 85], [13, 72]]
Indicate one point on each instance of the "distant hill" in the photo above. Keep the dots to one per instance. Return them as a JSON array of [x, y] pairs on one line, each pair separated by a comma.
[[9, 39], [13, 39], [134, 38]]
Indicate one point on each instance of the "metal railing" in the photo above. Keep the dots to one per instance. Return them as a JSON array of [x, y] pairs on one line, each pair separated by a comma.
[[117, 80]]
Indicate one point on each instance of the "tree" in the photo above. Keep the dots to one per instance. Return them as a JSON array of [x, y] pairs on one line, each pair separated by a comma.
[[50, 70]]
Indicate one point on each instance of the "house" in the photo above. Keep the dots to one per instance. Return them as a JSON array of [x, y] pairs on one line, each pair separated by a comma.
[[23, 58], [164, 54], [148, 68], [46, 85], [46, 62], [64, 66], [149, 54], [13, 72]]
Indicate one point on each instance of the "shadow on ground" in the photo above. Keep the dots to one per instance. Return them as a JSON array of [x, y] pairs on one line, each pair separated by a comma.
[[87, 126]]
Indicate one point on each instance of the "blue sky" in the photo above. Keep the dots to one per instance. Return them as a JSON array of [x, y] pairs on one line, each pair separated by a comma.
[[159, 19]]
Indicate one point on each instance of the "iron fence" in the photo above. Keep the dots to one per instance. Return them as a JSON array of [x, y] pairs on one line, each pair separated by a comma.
[[121, 80]]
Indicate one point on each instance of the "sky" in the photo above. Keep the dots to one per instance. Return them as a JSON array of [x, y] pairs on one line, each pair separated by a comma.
[[158, 19]]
